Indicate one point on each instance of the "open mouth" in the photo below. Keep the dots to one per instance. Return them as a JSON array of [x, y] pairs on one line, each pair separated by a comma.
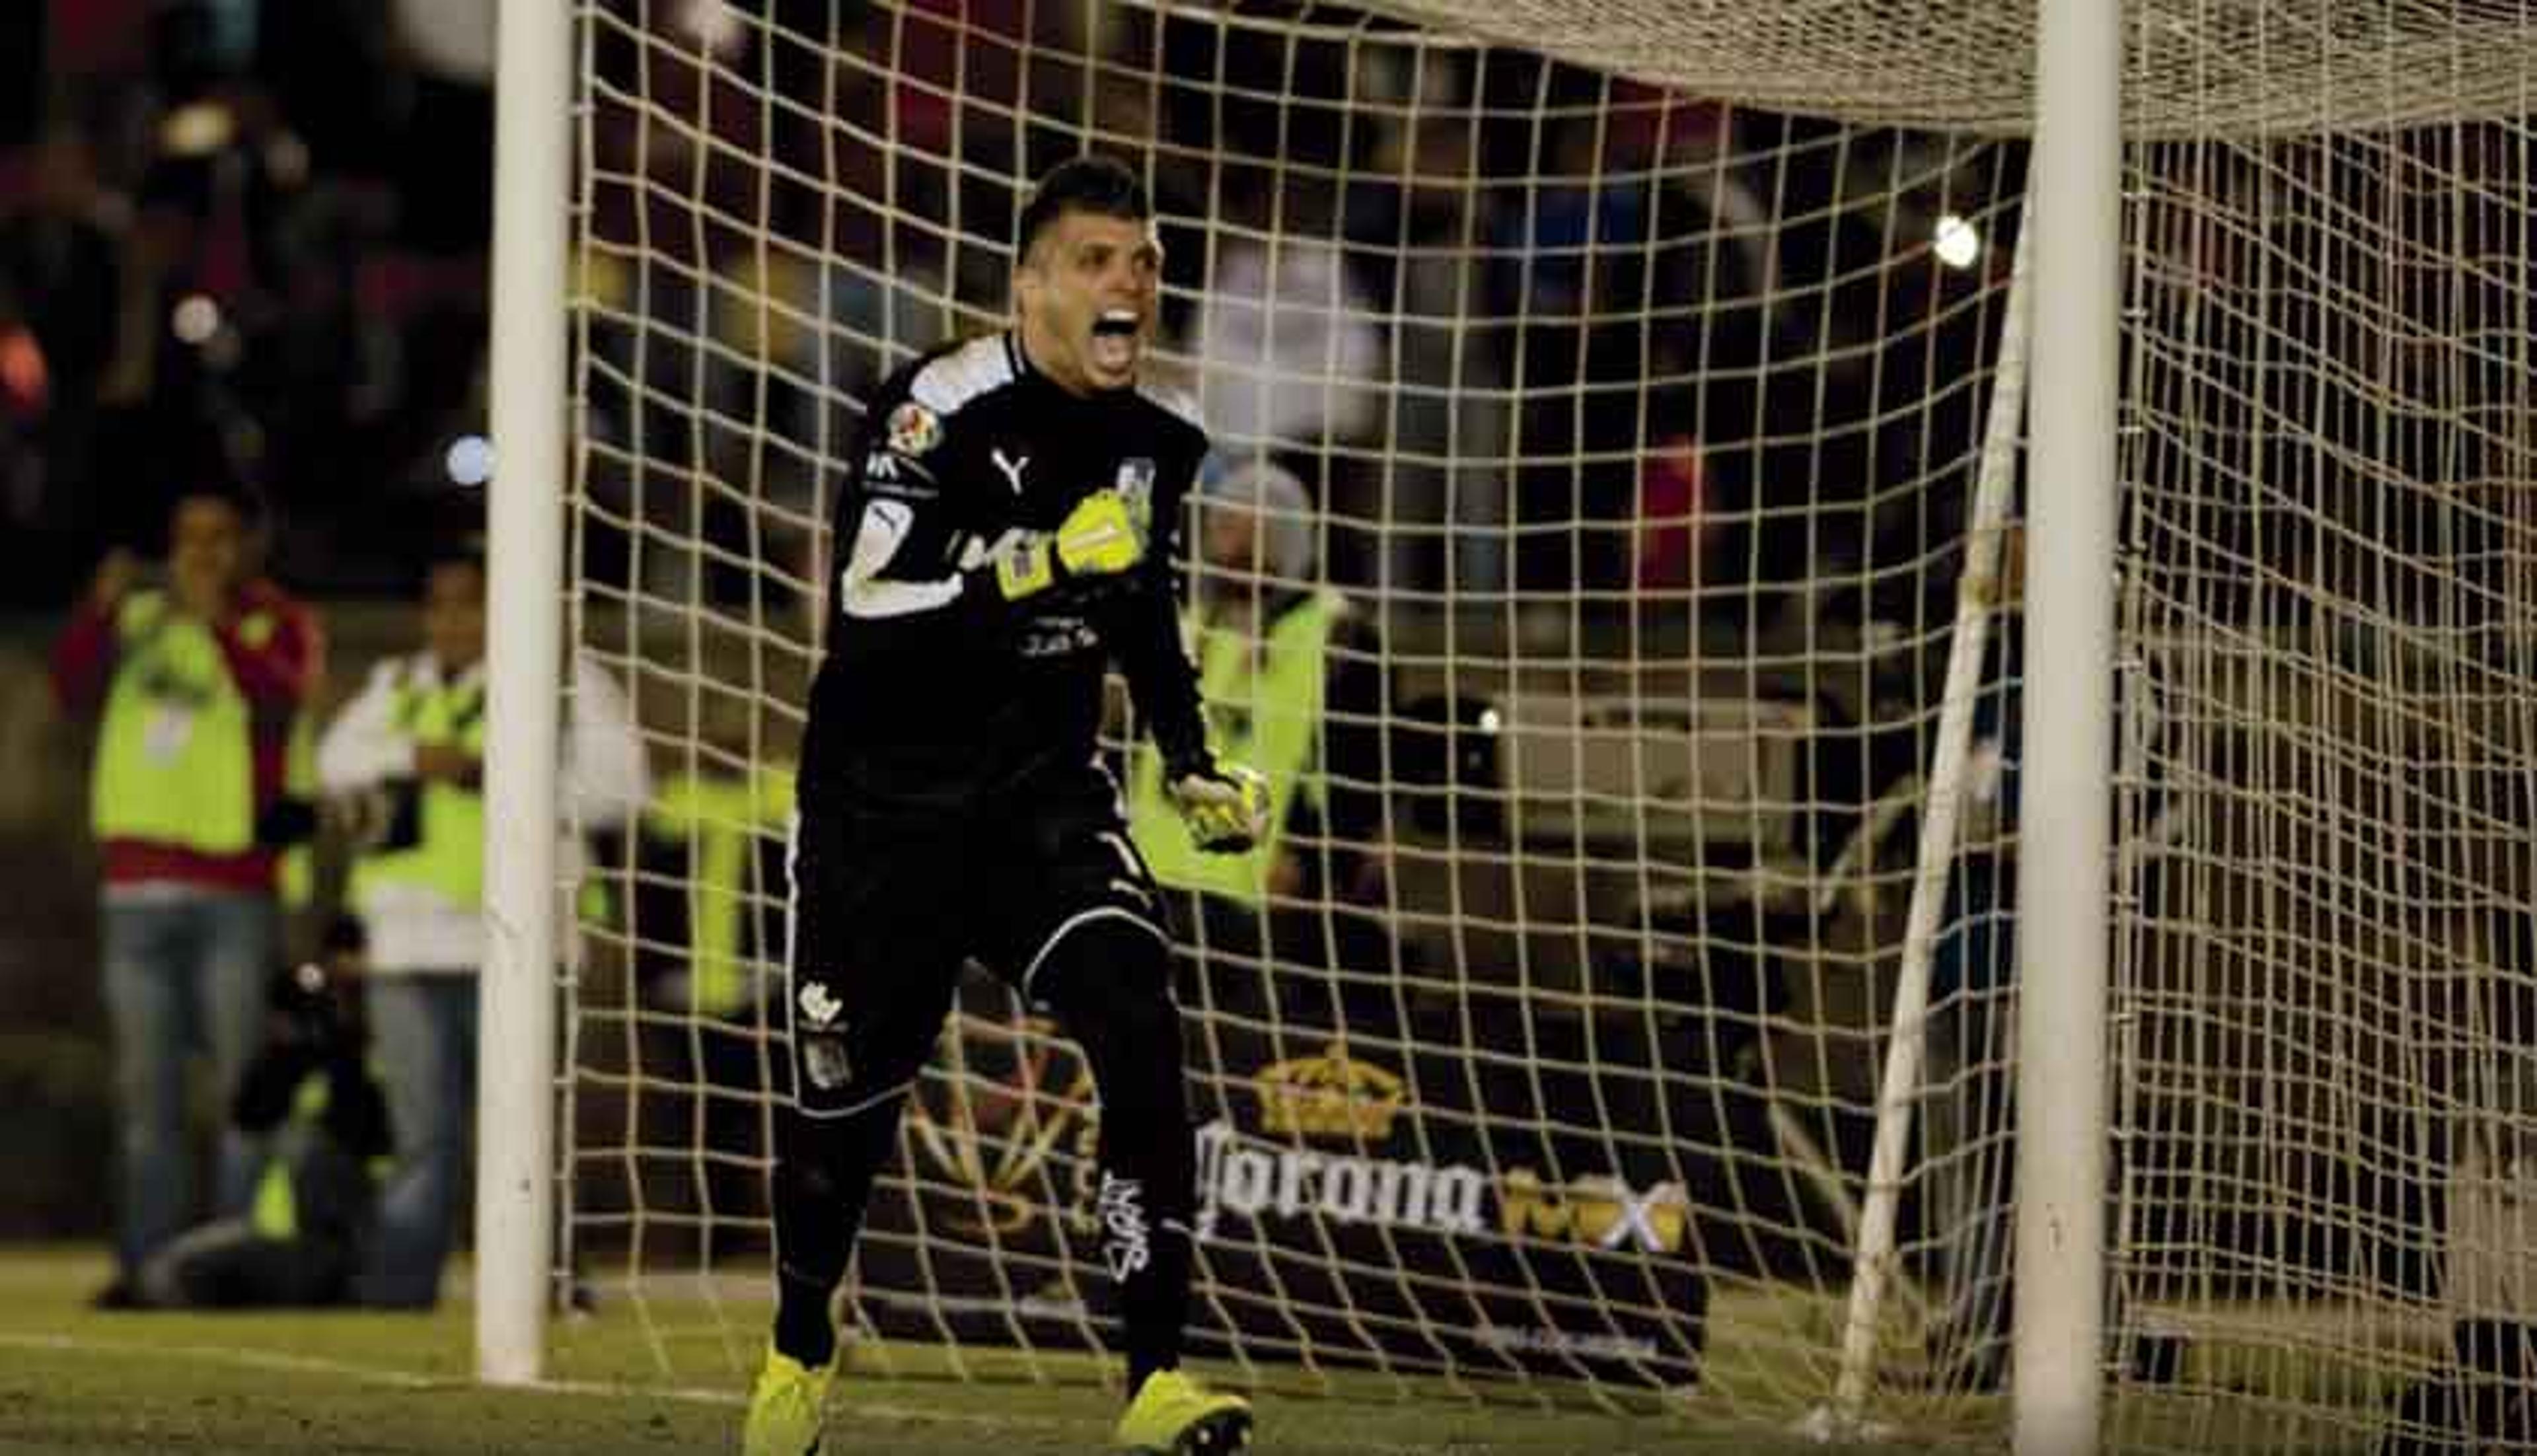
[[1114, 339]]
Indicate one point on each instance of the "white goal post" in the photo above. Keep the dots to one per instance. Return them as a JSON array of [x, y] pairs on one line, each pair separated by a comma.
[[1827, 713], [515, 1169]]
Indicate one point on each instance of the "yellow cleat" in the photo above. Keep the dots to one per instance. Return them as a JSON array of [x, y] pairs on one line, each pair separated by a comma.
[[1175, 1416], [788, 1408]]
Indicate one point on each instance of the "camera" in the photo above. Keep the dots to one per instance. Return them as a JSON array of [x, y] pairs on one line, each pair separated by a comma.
[[308, 1001], [380, 820]]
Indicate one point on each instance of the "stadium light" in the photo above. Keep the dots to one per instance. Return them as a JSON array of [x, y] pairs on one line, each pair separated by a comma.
[[196, 319], [198, 129], [1958, 243], [470, 460]]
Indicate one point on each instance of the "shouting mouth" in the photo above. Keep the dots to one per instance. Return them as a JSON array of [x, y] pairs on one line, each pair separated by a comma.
[[1115, 337]]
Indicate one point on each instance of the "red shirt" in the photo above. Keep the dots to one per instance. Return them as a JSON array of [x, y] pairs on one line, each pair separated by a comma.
[[274, 675]]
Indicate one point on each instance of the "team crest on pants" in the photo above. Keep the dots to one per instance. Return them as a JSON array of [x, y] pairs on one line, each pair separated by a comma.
[[819, 1006], [825, 1060]]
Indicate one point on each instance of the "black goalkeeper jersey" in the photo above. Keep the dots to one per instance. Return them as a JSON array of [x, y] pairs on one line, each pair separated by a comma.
[[937, 696]]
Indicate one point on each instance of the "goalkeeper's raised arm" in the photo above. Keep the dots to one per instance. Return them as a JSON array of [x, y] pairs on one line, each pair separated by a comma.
[[1003, 535]]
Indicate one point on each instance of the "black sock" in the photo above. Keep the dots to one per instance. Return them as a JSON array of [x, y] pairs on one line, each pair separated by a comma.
[[1109, 984], [804, 1329], [823, 1177], [1154, 1308]]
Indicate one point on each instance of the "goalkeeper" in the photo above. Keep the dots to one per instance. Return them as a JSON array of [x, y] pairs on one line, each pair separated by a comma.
[[997, 530]]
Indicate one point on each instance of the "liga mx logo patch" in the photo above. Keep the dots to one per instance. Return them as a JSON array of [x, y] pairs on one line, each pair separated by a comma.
[[914, 430]]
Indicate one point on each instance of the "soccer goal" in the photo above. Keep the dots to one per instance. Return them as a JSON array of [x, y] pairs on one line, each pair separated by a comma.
[[1923, 823]]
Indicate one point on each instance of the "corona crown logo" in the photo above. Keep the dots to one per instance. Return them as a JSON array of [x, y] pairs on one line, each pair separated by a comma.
[[1332, 1094]]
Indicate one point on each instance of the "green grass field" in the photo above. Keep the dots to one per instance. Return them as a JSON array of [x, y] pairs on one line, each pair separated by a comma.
[[76, 1380]]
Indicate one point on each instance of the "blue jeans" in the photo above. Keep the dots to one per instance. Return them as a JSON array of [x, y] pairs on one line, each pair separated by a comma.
[[186, 970], [422, 1030]]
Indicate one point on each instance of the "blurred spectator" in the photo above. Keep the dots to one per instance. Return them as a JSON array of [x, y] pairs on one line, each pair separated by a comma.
[[1556, 243], [1286, 341], [289, 208], [408, 751], [711, 865], [1293, 682], [194, 683], [60, 279], [708, 936], [1674, 522], [310, 1096], [1440, 492]]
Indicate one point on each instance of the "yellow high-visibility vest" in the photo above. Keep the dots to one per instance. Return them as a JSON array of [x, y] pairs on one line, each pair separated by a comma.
[[450, 854], [175, 748], [721, 817], [1264, 697]]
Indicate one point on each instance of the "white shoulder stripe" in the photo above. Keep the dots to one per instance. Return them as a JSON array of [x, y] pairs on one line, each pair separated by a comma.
[[964, 374], [870, 601], [1178, 402]]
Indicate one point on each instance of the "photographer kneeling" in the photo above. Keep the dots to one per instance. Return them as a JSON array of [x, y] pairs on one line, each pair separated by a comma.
[[310, 1095]]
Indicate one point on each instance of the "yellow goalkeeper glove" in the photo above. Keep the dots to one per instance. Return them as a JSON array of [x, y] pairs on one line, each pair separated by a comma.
[[1224, 804], [1101, 537]]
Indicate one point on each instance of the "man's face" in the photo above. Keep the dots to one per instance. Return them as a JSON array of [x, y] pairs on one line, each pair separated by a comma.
[[1230, 539], [1086, 294], [206, 549], [453, 614]]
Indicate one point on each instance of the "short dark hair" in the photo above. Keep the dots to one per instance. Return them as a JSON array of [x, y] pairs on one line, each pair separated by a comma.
[[454, 547], [1100, 185], [237, 494], [451, 543]]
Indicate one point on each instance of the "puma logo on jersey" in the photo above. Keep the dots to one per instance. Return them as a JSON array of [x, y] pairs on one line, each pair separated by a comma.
[[1011, 468]]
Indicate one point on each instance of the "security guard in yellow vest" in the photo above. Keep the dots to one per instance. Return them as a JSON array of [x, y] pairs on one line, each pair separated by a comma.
[[408, 751], [1293, 686], [717, 825], [708, 920], [196, 685], [1264, 694]]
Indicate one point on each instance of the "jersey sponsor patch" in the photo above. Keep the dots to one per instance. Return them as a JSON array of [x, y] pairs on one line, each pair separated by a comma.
[[914, 430]]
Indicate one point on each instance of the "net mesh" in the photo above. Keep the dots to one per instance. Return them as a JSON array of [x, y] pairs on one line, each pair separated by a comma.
[[2192, 66], [1626, 370], [2325, 959]]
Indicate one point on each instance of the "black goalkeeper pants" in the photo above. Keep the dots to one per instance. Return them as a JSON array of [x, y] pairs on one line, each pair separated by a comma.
[[1059, 904], [885, 913]]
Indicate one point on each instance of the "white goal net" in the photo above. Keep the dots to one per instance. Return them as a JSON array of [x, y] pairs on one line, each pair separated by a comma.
[[1642, 379]]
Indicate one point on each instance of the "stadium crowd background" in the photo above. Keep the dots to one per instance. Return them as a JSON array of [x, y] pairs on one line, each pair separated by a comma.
[[251, 238]]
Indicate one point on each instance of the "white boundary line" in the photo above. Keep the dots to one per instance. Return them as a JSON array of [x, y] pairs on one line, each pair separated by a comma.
[[254, 1360], [267, 1360]]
